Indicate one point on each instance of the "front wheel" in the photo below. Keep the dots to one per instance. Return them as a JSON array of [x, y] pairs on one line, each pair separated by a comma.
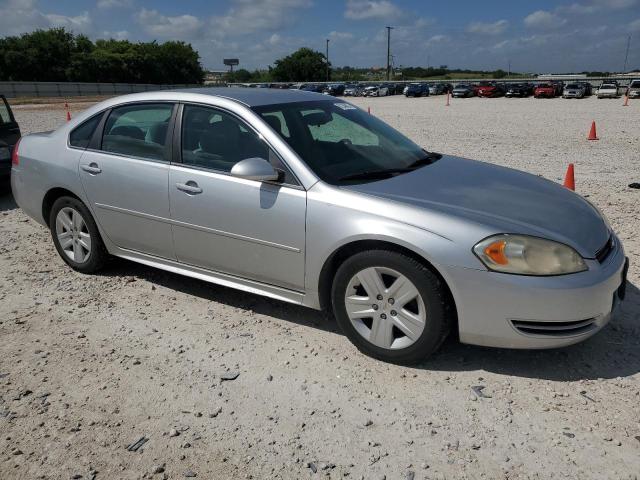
[[75, 235], [391, 306]]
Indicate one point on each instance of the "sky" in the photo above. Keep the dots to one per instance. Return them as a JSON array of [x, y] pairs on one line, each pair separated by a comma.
[[542, 36]]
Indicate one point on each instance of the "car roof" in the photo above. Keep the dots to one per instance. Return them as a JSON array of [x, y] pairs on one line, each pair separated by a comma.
[[254, 97]]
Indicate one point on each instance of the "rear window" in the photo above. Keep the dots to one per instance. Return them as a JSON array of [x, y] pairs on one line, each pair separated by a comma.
[[81, 136]]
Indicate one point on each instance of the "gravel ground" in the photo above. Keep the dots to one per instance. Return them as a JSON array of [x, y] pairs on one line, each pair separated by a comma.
[[91, 364]]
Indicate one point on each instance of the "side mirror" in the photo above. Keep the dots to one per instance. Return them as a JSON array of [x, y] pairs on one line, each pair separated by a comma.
[[255, 169]]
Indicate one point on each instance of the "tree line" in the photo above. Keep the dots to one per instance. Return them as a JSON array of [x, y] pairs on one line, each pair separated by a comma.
[[57, 55]]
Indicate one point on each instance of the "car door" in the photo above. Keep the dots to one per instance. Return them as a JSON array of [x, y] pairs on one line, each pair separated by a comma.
[[251, 229], [9, 135], [125, 174]]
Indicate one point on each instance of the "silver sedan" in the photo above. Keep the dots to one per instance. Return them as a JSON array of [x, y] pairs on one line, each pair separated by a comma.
[[307, 199]]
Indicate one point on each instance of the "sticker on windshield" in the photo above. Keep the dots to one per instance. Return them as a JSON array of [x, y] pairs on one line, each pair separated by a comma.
[[345, 106]]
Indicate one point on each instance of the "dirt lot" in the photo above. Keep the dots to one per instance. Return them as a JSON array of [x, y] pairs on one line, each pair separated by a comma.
[[90, 364]]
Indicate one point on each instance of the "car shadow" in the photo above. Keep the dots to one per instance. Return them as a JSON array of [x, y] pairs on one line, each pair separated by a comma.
[[225, 295], [612, 352], [7, 201]]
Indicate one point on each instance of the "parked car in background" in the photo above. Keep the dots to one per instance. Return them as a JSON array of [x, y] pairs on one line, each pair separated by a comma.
[[298, 86], [634, 89], [9, 136], [608, 90], [462, 90], [436, 89], [313, 87], [573, 90], [312, 201], [491, 90], [588, 88], [520, 90], [334, 89], [353, 90], [376, 91], [416, 90], [545, 90]]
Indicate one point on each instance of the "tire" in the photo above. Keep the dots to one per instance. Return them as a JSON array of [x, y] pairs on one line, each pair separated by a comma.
[[428, 316], [71, 220]]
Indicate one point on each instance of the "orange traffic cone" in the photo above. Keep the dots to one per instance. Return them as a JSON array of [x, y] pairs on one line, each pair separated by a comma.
[[66, 106], [569, 179], [592, 133], [626, 101], [448, 103]]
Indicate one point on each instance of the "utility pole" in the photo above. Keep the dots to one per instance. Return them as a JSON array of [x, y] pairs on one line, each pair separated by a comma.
[[327, 59], [509, 70], [389, 52], [626, 55]]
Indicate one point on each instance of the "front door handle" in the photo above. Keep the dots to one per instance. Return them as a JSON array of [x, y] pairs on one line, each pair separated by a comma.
[[190, 187], [92, 168]]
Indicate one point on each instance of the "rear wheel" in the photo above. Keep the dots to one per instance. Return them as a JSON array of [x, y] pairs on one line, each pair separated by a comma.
[[75, 235], [390, 306]]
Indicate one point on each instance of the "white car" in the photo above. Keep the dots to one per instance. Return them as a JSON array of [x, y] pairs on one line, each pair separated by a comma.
[[634, 89], [608, 90], [376, 91]]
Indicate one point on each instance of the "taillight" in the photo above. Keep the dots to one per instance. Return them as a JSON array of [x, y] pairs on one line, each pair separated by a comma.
[[14, 155]]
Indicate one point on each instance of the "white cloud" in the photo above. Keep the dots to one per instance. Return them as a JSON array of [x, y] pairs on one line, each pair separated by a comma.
[[249, 16], [156, 24], [22, 16], [105, 4], [495, 28], [119, 35], [544, 19], [337, 36], [593, 6], [371, 9], [79, 23]]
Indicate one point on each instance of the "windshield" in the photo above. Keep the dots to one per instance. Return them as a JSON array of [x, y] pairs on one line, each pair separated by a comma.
[[635, 84], [573, 85], [338, 140]]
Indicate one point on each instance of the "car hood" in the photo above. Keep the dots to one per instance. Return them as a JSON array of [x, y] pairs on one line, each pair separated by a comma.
[[503, 199]]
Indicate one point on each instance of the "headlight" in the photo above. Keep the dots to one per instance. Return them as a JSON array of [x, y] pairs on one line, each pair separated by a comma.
[[525, 255]]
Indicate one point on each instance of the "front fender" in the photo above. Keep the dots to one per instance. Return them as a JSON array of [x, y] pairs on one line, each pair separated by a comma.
[[336, 218]]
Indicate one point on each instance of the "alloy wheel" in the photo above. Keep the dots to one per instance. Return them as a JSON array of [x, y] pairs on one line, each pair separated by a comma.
[[385, 308], [73, 235]]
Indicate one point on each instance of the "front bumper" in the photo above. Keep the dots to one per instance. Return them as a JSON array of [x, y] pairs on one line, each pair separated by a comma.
[[516, 311]]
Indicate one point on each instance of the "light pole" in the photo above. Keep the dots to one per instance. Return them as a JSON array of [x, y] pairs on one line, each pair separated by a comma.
[[327, 59], [389, 52]]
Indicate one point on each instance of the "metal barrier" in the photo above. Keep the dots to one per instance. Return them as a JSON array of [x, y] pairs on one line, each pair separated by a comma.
[[77, 89]]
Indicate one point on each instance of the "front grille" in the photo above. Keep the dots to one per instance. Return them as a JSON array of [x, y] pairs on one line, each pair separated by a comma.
[[554, 329], [603, 253]]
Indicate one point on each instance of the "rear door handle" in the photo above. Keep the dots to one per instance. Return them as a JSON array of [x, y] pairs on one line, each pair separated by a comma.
[[92, 168], [190, 187]]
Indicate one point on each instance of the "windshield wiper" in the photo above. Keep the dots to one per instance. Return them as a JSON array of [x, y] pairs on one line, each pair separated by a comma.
[[428, 159], [375, 174]]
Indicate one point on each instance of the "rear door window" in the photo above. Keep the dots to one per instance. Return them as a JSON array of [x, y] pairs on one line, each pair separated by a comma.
[[81, 135], [139, 131]]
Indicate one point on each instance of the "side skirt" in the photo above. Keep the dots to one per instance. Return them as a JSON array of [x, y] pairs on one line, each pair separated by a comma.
[[226, 280]]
